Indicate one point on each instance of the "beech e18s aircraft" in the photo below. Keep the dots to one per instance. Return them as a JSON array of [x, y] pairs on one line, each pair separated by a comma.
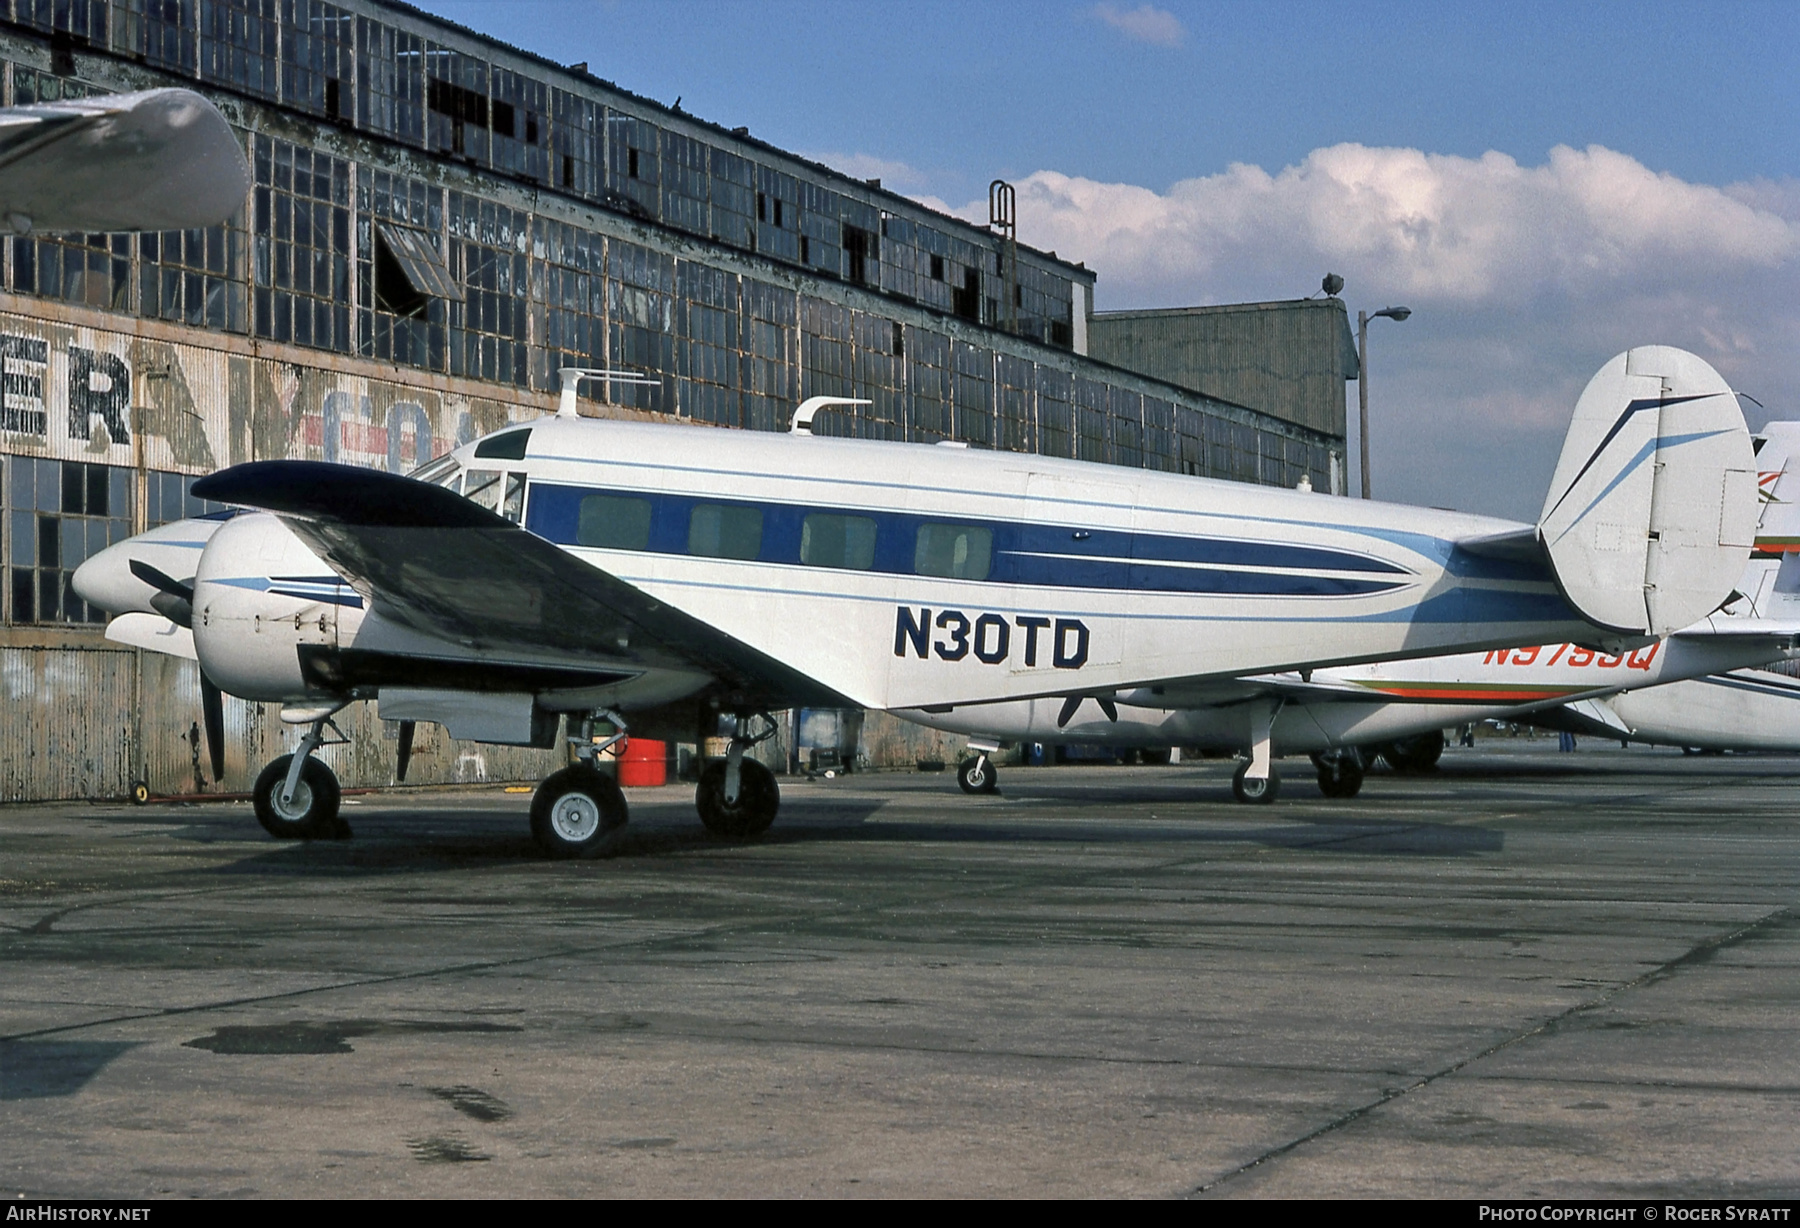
[[605, 570], [1344, 716]]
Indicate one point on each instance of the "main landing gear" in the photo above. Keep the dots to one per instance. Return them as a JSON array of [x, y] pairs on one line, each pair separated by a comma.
[[738, 797], [1340, 772], [296, 796], [581, 811]]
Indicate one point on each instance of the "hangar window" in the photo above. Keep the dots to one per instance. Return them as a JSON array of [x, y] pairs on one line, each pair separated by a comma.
[[613, 522], [828, 540], [409, 272], [959, 551], [722, 531]]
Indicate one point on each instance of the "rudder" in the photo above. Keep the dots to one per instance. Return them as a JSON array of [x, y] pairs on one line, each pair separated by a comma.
[[1653, 508]]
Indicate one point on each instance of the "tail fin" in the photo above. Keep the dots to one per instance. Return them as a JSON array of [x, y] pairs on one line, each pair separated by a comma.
[[1653, 509]]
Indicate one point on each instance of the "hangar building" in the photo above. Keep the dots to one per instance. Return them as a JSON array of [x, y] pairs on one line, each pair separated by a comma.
[[438, 222]]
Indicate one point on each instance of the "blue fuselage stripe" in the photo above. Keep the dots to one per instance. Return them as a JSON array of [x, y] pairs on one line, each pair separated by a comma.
[[1024, 554]]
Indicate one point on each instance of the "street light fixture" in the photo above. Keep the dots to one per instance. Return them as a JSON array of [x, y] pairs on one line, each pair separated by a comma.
[[1362, 379]]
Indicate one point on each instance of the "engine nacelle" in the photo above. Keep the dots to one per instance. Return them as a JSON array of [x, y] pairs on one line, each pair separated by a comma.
[[260, 596]]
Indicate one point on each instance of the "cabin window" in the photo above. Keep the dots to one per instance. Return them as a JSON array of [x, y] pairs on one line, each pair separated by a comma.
[[514, 507], [509, 446], [721, 531], [838, 541], [483, 488], [959, 551], [613, 522]]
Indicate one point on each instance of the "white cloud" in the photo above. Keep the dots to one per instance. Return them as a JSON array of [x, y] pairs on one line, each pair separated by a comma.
[[1145, 24], [896, 176], [1523, 281]]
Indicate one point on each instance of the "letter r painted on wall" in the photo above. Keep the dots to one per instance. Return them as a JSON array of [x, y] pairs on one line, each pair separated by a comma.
[[99, 386]]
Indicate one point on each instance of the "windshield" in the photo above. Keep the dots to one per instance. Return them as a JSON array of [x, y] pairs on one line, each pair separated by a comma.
[[443, 471]]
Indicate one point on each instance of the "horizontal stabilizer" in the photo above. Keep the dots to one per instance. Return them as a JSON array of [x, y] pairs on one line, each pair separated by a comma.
[[1598, 712], [1653, 509]]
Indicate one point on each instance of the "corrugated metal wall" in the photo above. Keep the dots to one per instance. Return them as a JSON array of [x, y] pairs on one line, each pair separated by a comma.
[[76, 724]]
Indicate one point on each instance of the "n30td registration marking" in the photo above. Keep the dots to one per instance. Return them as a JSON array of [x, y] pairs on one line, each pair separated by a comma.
[[991, 639]]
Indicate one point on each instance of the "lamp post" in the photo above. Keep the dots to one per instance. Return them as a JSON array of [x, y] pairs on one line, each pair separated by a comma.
[[1362, 379]]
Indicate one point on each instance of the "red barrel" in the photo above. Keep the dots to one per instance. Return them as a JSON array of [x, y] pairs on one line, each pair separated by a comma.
[[644, 763]]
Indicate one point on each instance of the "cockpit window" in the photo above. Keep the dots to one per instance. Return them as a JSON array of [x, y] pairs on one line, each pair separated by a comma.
[[443, 471], [483, 488], [509, 446]]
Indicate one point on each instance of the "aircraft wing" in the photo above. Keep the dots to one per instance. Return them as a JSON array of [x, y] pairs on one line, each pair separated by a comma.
[[427, 558], [155, 160]]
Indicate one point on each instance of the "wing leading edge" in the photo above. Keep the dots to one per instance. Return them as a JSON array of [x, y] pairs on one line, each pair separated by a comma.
[[430, 559]]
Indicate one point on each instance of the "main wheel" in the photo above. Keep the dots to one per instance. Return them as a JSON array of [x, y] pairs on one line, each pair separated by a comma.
[[1340, 774], [1158, 757], [1416, 754], [977, 775], [757, 801], [1255, 792], [311, 815], [577, 812]]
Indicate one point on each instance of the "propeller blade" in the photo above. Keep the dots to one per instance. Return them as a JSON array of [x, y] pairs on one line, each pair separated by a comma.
[[162, 581], [1071, 705], [173, 608], [173, 599], [212, 707], [1109, 707], [406, 740]]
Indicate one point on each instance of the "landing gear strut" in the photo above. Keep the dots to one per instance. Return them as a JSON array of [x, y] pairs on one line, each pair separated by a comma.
[[296, 796], [581, 811], [1256, 781], [738, 797]]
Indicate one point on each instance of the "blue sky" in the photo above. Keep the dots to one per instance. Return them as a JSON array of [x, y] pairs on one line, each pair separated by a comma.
[[1410, 147]]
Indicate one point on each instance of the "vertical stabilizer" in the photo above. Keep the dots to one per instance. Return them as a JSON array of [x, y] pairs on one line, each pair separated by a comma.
[[1653, 509]]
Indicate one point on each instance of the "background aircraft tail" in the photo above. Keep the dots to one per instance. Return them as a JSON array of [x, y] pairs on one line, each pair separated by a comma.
[[1653, 510]]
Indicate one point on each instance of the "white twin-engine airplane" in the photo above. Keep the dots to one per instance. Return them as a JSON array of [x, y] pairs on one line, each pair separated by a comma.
[[598, 568], [1344, 716]]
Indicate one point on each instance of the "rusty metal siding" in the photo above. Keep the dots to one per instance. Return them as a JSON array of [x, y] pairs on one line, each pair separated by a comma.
[[64, 724]]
